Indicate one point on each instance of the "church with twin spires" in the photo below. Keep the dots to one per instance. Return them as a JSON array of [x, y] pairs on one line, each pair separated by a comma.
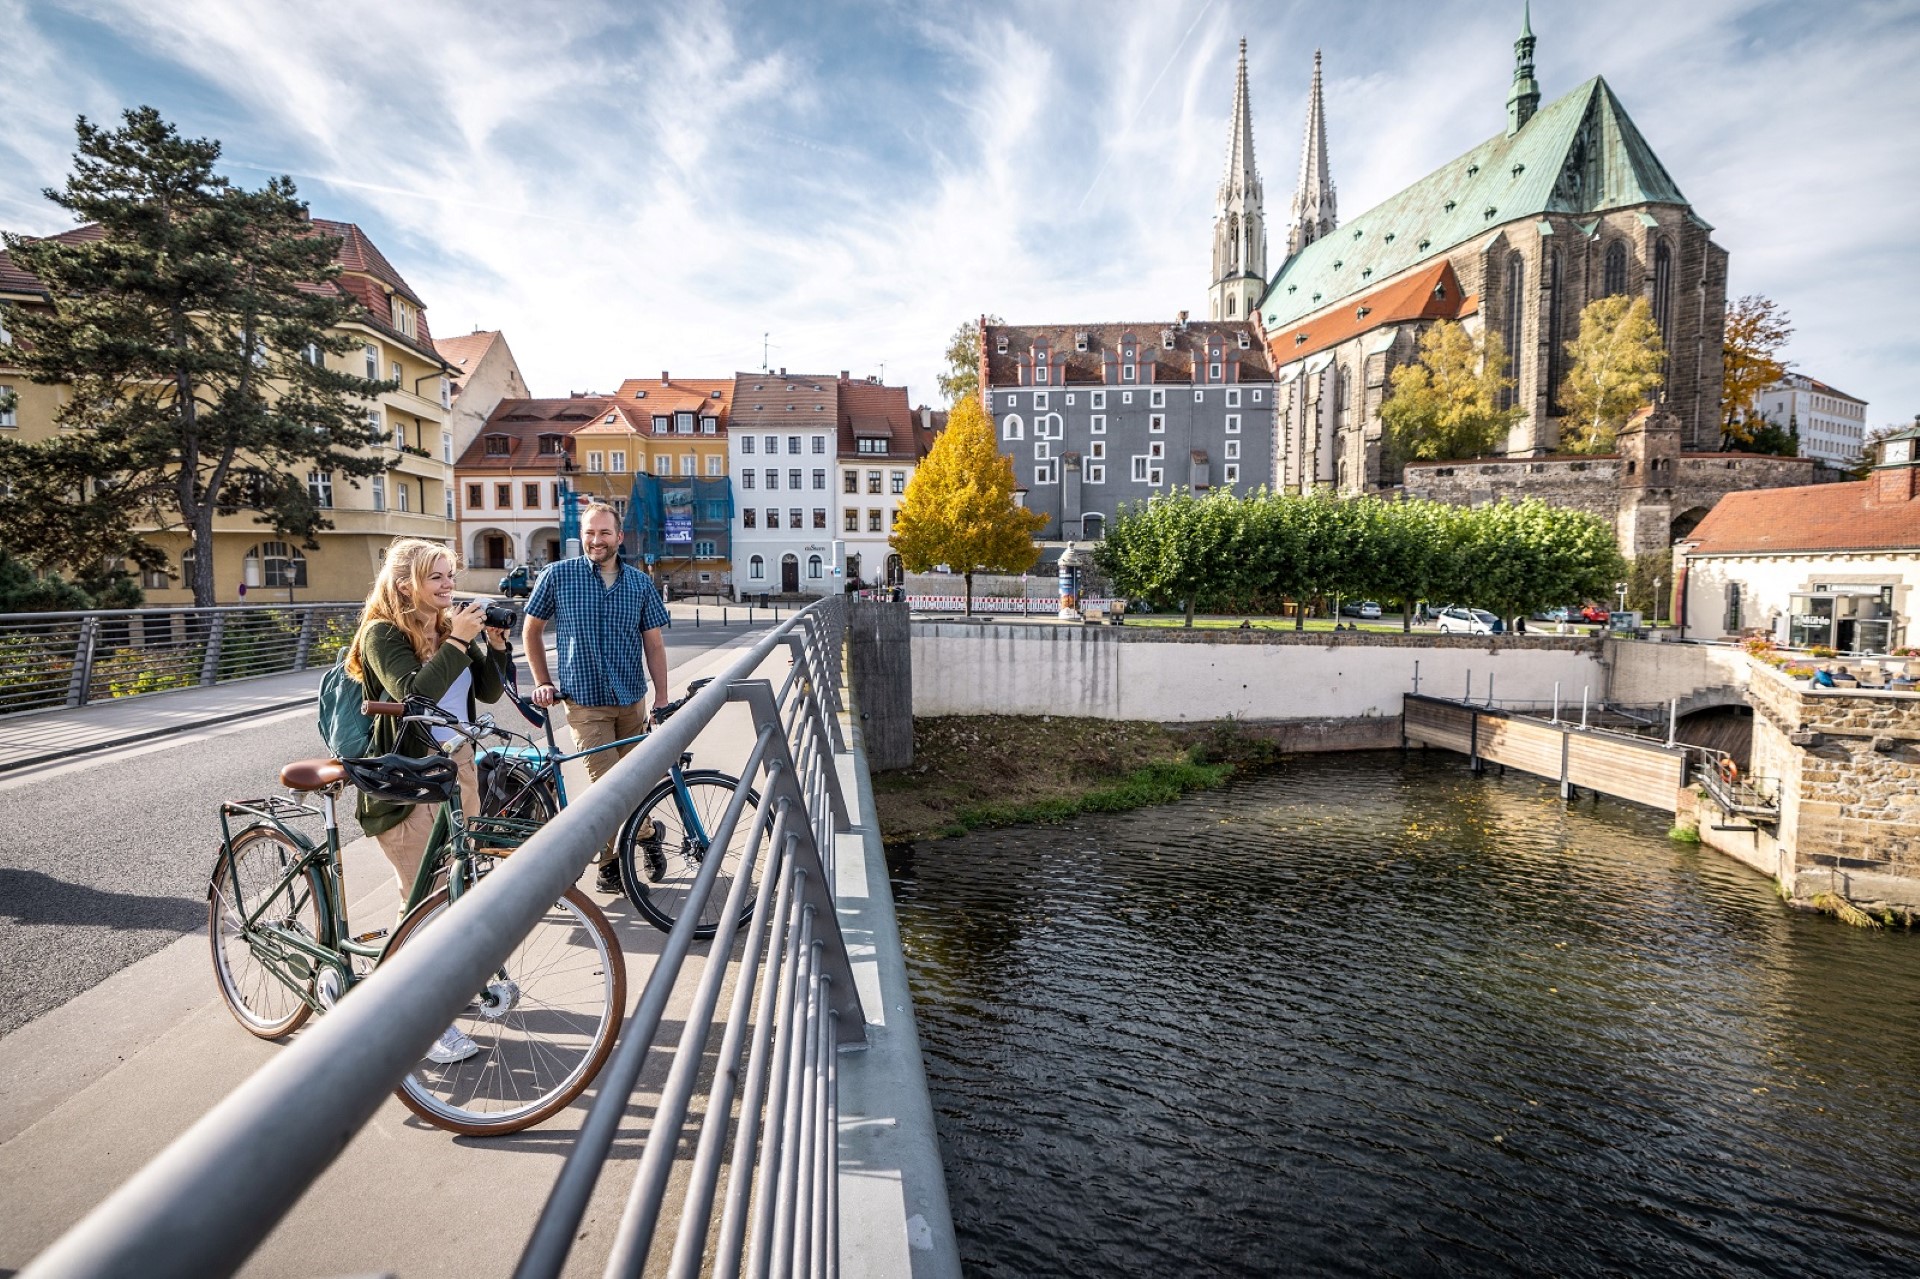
[[1566, 203]]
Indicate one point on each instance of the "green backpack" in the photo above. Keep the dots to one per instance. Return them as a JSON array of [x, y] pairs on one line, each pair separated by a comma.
[[346, 729]]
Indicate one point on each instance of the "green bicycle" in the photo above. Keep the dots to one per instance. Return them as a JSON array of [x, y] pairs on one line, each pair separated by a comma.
[[524, 1046]]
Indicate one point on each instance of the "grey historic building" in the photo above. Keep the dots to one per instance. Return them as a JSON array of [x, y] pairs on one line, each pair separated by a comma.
[[1097, 415], [1567, 204]]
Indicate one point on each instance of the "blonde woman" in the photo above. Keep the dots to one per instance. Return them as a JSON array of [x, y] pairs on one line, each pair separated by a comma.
[[412, 641]]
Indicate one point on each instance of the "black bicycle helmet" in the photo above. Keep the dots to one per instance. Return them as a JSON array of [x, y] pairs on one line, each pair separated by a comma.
[[402, 779]]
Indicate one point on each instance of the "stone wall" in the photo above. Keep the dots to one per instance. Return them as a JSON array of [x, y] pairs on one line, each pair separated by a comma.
[[1848, 767]]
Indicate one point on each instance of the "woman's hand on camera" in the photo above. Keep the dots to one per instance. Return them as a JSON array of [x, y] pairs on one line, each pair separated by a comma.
[[467, 620]]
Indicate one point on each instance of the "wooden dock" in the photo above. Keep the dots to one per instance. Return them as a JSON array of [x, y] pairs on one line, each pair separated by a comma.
[[1645, 772]]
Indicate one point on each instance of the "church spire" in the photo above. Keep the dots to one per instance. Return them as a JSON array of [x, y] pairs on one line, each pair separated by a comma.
[[1524, 100], [1313, 206], [1239, 223]]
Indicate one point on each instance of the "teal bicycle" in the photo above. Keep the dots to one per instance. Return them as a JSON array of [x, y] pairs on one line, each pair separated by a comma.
[[526, 1044], [662, 844]]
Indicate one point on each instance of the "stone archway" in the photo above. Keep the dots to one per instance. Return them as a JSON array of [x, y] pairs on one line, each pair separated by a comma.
[[1685, 522]]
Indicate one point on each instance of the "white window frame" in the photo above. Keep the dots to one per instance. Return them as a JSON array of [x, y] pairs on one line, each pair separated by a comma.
[[1126, 397], [1233, 424], [1040, 399], [1012, 427], [1156, 399], [1097, 450], [596, 462], [1013, 401], [1069, 399], [1140, 468], [1046, 473], [746, 444], [1233, 398], [1233, 450], [1042, 450], [1214, 372], [1256, 397], [1099, 424], [757, 568], [1156, 477], [617, 461], [1099, 400], [1199, 396], [1157, 424], [379, 492], [1230, 473], [1096, 474]]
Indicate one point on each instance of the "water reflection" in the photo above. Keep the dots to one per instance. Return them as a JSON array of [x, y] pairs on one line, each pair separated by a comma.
[[1362, 1016]]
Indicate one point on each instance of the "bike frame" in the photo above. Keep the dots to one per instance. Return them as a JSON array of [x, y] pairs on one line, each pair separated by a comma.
[[320, 864], [548, 764]]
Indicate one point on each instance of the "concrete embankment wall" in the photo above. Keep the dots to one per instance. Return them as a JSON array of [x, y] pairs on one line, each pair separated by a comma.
[[1698, 676], [1319, 691]]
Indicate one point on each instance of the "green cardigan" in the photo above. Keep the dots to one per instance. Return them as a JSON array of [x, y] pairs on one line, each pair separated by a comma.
[[392, 671]]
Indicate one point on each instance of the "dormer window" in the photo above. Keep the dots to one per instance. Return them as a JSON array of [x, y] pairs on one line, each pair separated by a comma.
[[1000, 346], [499, 445], [1246, 340], [660, 421], [552, 445], [1080, 341]]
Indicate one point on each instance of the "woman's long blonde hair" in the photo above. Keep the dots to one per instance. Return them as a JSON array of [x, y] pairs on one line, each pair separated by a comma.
[[409, 562]]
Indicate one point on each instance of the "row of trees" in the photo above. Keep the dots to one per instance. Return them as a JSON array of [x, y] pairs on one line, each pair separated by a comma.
[[1231, 554]]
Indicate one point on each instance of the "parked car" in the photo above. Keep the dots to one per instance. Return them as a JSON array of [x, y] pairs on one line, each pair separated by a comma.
[[1560, 613], [517, 584], [1460, 620], [1594, 613], [1361, 608]]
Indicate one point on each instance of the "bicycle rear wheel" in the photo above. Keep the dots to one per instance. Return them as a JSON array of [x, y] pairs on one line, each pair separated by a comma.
[[658, 873], [511, 790], [266, 992], [544, 1023]]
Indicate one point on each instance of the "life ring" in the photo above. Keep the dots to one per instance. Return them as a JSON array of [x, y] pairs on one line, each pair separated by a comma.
[[1729, 771]]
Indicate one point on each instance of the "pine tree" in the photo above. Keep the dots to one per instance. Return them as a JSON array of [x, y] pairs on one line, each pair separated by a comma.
[[189, 320], [959, 510], [1615, 369]]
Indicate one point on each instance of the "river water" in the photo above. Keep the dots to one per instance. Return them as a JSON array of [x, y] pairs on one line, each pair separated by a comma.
[[1360, 1016]]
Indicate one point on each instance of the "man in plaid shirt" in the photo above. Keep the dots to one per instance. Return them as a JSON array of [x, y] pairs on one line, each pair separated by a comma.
[[607, 620]]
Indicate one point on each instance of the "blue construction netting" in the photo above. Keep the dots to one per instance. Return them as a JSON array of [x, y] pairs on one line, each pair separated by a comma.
[[699, 509]]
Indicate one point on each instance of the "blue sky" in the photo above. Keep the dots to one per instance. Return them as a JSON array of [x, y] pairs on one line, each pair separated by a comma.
[[625, 188]]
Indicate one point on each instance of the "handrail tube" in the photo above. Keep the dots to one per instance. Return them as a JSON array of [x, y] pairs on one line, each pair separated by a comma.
[[703, 1177], [822, 1184], [767, 1175], [733, 1216], [795, 1129], [546, 1251], [633, 1237], [205, 1202]]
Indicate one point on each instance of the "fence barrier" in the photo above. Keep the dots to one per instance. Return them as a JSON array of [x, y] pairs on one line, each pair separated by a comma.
[[762, 1190], [50, 660]]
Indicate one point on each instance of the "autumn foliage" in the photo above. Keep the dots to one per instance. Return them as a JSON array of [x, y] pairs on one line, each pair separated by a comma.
[[959, 508]]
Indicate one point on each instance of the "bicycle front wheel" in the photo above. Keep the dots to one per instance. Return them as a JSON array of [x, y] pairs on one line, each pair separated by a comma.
[[542, 1026], [658, 870], [266, 985]]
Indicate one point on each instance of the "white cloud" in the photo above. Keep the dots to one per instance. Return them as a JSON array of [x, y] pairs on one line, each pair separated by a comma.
[[623, 190]]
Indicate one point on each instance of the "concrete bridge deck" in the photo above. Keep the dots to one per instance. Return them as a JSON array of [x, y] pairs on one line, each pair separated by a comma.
[[92, 1090]]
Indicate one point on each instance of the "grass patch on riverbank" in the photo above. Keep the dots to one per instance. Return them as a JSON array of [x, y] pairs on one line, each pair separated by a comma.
[[976, 771]]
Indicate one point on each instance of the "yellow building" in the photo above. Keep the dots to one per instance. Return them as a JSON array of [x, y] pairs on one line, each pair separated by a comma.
[[413, 498]]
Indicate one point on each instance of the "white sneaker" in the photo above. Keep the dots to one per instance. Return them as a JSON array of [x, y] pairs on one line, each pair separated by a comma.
[[454, 1045]]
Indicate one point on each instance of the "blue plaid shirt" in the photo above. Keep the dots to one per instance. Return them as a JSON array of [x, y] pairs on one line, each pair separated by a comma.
[[598, 636]]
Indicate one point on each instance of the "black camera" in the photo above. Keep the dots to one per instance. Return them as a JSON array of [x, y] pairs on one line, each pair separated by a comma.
[[501, 615]]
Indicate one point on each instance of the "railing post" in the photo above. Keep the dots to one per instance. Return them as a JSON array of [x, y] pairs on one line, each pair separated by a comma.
[[1556, 701], [210, 660], [80, 683], [1583, 706], [1489, 688], [1416, 677], [1673, 721], [304, 645], [1468, 697]]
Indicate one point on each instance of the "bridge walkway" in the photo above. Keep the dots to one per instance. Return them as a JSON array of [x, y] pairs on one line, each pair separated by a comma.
[[1644, 771]]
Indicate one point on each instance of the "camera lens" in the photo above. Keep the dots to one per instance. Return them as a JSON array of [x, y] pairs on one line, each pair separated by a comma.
[[500, 616]]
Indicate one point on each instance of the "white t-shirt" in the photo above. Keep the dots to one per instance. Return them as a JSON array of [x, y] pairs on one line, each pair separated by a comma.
[[454, 702]]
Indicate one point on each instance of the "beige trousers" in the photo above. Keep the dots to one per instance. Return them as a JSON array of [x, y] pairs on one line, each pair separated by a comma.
[[596, 726], [406, 844]]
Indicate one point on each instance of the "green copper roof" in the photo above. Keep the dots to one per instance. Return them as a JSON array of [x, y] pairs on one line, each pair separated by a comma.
[[1580, 154]]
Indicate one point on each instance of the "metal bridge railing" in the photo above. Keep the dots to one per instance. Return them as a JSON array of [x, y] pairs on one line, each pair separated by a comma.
[[52, 660], [205, 1203]]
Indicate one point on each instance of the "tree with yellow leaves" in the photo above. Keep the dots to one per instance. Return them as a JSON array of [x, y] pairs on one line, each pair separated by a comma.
[[959, 509], [1756, 330], [1615, 369], [1447, 403]]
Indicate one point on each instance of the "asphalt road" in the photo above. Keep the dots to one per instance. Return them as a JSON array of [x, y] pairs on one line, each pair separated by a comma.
[[104, 860]]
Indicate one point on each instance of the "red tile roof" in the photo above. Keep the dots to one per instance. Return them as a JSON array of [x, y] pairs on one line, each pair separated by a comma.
[[644, 397], [770, 401], [523, 422], [1433, 293], [871, 410], [1819, 517], [1170, 364], [465, 353]]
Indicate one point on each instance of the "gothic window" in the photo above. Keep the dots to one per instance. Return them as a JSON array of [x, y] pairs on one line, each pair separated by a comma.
[[1233, 306], [1616, 269], [1556, 292], [1515, 314], [1663, 290]]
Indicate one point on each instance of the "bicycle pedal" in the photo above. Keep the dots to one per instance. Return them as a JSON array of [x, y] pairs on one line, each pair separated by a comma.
[[373, 936]]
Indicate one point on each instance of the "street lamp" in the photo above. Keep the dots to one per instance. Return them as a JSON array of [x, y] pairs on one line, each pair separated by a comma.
[[1656, 600], [1620, 589]]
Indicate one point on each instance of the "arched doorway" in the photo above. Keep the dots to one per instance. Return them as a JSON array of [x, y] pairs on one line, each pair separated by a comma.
[[1684, 523], [789, 574], [853, 570], [1093, 527], [896, 571]]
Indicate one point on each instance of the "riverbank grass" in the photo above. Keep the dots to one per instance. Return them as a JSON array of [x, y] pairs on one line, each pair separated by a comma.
[[978, 771]]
